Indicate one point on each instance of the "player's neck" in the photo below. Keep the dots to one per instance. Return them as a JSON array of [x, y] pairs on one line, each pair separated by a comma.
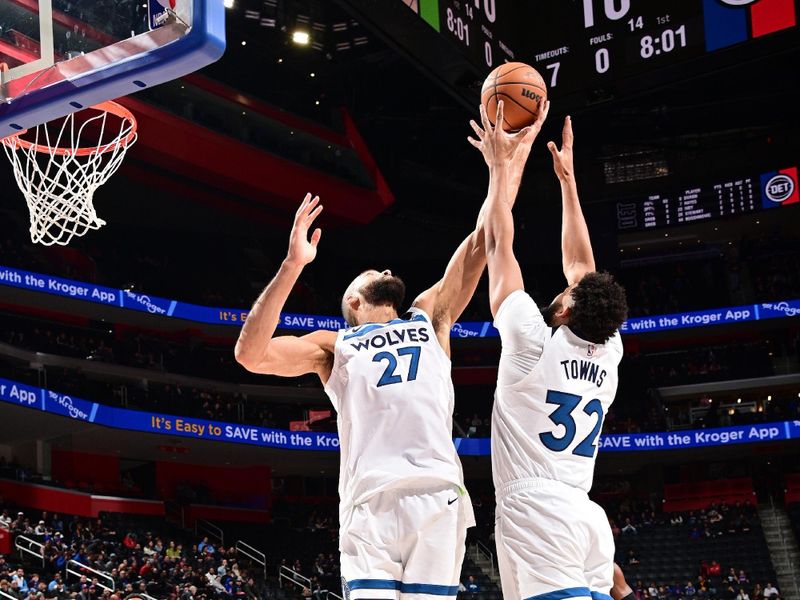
[[378, 314]]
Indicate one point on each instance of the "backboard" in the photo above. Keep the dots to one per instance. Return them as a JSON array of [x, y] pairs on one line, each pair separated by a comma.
[[58, 56]]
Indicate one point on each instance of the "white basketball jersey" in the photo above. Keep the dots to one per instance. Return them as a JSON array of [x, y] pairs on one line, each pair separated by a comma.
[[392, 391], [553, 392]]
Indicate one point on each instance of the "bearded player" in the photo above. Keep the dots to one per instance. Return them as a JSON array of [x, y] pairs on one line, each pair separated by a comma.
[[404, 511], [557, 378]]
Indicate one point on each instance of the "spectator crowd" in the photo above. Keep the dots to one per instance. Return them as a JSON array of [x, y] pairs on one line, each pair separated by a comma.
[[137, 559]]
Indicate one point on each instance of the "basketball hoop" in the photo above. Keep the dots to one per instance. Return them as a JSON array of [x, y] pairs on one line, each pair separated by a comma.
[[59, 166]]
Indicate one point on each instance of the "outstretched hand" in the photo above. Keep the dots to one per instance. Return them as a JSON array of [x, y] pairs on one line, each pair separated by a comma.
[[500, 148], [562, 159], [302, 250]]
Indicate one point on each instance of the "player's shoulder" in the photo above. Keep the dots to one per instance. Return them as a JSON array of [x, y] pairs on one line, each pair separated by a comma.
[[324, 338], [416, 313], [518, 308], [614, 343]]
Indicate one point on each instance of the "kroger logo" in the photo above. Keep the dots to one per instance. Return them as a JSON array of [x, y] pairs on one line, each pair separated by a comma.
[[779, 188], [785, 308], [145, 301], [66, 402], [462, 332]]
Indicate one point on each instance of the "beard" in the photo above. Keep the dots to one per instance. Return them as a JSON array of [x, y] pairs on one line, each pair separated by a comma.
[[385, 290], [548, 312]]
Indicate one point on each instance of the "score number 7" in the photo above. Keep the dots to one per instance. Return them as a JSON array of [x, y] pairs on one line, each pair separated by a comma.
[[554, 68], [567, 403]]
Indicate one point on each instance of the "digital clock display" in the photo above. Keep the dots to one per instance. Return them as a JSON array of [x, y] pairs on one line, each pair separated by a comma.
[[580, 44], [690, 204]]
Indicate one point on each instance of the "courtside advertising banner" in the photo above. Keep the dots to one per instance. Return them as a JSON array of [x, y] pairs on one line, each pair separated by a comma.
[[48, 401], [139, 301]]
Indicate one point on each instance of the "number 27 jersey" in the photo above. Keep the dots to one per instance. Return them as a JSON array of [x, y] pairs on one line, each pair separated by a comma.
[[392, 389], [553, 392]]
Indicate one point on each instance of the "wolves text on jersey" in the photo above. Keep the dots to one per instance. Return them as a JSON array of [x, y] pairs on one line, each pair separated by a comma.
[[392, 337]]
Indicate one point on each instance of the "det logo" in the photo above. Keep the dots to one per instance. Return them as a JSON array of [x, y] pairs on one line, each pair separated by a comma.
[[779, 188]]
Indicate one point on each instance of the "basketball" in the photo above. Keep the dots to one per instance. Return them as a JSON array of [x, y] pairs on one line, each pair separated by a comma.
[[522, 91]]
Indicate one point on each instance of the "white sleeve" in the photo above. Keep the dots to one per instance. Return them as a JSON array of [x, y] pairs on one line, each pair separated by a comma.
[[523, 334]]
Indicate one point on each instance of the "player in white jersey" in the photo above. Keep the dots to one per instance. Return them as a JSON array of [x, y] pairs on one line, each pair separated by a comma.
[[557, 378], [404, 511]]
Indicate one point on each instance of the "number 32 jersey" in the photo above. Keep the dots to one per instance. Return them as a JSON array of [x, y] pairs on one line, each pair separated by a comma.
[[392, 390], [553, 392]]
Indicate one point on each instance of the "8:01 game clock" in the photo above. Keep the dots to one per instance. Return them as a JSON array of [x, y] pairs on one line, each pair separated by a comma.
[[579, 44]]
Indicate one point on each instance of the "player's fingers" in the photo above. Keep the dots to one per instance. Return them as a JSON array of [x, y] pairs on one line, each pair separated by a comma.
[[476, 128], [524, 134], [567, 134], [500, 115], [315, 236], [303, 204], [474, 142], [313, 215], [487, 126], [309, 206], [530, 136], [544, 108], [302, 218], [553, 149]]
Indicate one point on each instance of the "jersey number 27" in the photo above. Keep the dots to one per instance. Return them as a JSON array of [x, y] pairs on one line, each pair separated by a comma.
[[567, 403], [389, 374]]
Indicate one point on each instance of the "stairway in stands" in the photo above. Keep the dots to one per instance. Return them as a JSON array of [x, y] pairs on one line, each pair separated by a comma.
[[783, 550], [483, 560]]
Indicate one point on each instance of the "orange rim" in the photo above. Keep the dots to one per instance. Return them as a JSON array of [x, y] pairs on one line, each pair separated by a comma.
[[108, 106]]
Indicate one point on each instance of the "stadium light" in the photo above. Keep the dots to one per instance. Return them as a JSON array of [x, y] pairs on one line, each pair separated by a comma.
[[300, 37], [228, 3]]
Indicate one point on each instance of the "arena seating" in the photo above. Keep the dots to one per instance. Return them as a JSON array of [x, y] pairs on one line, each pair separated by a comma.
[[792, 499], [699, 495], [792, 494], [667, 554], [670, 548], [794, 515], [146, 554]]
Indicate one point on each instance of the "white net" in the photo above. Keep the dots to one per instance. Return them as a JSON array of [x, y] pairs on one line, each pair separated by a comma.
[[59, 166]]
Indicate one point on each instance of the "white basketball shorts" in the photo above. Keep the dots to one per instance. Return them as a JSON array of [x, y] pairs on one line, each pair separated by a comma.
[[553, 543], [405, 544]]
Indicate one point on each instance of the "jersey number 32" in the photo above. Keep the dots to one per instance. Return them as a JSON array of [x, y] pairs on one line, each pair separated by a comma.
[[567, 403]]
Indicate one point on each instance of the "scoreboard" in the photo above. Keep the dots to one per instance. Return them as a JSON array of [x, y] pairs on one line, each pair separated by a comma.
[[587, 44], [703, 202]]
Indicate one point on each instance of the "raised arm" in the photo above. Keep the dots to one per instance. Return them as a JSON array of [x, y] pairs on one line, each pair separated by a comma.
[[506, 155], [289, 356], [448, 297], [576, 247]]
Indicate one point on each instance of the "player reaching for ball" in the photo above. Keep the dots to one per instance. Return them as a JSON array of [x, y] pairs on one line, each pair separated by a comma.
[[557, 378], [404, 511]]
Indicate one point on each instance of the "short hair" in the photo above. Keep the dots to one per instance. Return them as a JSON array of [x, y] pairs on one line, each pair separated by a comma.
[[599, 308], [351, 289], [348, 317]]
